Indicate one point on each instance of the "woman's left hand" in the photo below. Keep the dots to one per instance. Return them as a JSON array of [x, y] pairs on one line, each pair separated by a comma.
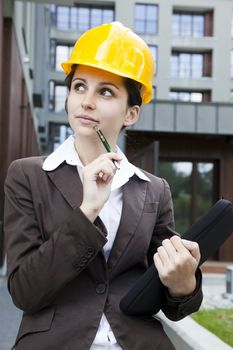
[[176, 261]]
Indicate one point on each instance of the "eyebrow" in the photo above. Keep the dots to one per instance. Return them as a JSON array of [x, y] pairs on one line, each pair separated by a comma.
[[102, 83]]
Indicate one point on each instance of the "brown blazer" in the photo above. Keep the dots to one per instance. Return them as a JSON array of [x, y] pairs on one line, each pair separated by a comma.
[[57, 273]]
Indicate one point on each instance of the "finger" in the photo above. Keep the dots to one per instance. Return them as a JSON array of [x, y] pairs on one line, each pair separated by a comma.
[[193, 248], [176, 241], [105, 169], [101, 174], [163, 255], [106, 178], [112, 156], [158, 262], [170, 249]]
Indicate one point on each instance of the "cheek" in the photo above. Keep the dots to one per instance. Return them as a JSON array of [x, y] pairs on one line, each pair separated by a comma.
[[70, 108]]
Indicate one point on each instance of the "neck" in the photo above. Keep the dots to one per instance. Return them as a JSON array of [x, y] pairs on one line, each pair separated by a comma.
[[89, 148]]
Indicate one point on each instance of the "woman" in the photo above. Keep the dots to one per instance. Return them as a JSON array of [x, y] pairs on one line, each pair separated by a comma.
[[79, 232]]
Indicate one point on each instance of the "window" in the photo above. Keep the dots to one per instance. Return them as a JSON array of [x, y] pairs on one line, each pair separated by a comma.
[[62, 54], [59, 52], [190, 65], [232, 25], [192, 24], [81, 17], [231, 96], [63, 17], [57, 96], [146, 19], [190, 96], [154, 51], [58, 134], [192, 186], [231, 64]]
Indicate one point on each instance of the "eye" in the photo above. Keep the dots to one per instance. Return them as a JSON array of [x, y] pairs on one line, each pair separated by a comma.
[[106, 92], [79, 87]]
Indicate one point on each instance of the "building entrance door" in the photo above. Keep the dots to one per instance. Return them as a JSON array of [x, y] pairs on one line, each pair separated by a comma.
[[198, 169], [193, 189]]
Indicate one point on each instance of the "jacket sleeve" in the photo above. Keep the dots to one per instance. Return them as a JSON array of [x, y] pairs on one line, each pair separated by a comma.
[[39, 268], [174, 308]]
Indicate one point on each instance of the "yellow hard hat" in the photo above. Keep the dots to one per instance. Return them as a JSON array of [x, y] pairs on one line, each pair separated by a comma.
[[116, 49]]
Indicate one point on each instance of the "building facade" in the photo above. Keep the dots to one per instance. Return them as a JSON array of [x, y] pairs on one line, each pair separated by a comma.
[[186, 133]]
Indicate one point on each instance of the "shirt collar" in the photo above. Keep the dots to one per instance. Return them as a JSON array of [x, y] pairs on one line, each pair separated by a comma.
[[66, 153]]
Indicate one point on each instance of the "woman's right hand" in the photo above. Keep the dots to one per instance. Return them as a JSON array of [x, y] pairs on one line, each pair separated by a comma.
[[97, 179]]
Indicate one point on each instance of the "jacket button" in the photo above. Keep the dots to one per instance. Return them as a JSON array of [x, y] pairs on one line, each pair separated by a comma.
[[101, 288]]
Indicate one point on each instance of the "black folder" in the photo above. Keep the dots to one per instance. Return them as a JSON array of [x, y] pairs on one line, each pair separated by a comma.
[[210, 231]]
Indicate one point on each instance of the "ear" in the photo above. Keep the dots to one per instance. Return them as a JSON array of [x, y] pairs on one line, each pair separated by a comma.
[[132, 115]]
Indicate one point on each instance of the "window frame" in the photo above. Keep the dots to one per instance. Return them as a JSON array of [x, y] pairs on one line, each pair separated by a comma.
[[206, 67], [73, 11], [145, 20], [53, 84], [207, 24]]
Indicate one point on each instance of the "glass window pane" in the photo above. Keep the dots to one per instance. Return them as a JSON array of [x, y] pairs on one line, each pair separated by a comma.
[[140, 27], [96, 17], [186, 25], [178, 175], [62, 132], [189, 180], [197, 65], [63, 17], [52, 53], [83, 19], [60, 97], [62, 54], [205, 176], [175, 25], [73, 18], [140, 11], [153, 49], [174, 63], [232, 25], [184, 65], [108, 15], [196, 97], [151, 12], [198, 26], [151, 27], [231, 96], [184, 96], [173, 95], [231, 63], [51, 95]]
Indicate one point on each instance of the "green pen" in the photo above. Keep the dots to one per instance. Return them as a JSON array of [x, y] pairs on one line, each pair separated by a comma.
[[105, 143]]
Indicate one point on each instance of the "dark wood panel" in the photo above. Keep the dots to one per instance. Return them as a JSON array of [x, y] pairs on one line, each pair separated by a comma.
[[18, 135]]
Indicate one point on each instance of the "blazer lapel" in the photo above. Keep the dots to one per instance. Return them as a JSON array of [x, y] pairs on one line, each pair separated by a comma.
[[134, 194], [68, 182]]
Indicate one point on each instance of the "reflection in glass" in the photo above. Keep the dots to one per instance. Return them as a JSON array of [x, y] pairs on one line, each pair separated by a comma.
[[192, 189]]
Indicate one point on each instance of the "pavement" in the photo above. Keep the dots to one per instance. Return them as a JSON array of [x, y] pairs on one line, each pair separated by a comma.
[[185, 334], [9, 318], [188, 334]]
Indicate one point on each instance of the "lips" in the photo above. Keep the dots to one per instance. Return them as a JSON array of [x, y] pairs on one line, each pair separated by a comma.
[[87, 117]]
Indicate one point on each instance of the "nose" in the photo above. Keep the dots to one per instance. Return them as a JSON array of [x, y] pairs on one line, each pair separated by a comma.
[[88, 101]]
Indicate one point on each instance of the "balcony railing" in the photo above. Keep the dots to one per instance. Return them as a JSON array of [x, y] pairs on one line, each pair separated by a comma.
[[183, 117]]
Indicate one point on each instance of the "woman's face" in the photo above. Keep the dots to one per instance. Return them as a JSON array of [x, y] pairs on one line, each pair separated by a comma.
[[99, 97]]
